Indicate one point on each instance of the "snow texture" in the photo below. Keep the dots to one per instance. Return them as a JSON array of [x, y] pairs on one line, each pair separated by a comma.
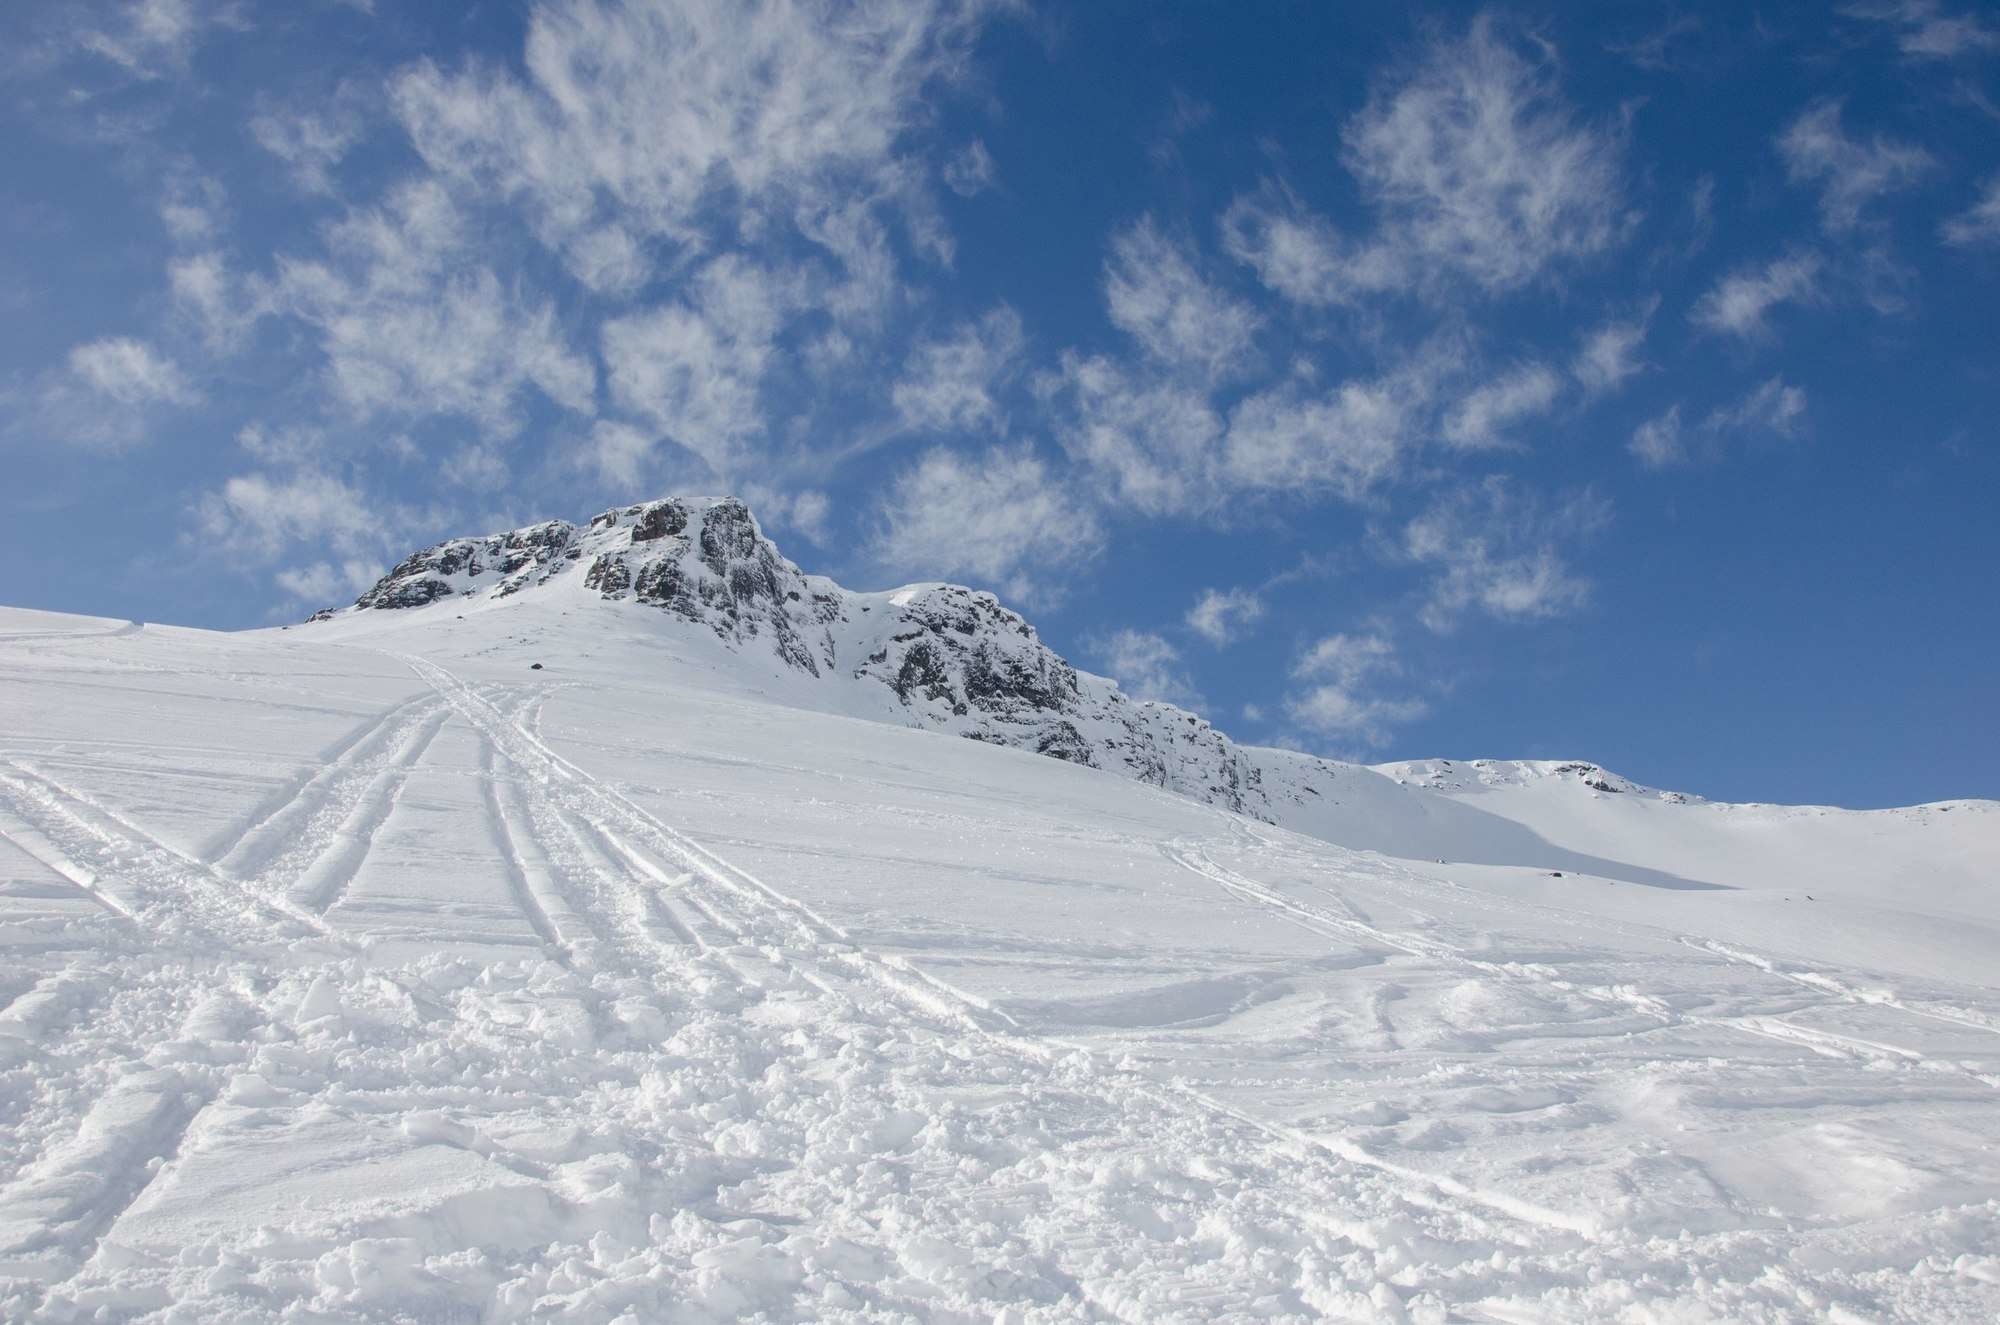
[[362, 971]]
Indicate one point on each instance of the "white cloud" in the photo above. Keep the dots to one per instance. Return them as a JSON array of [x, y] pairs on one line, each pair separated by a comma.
[[153, 36], [1773, 407], [223, 305], [1151, 442], [696, 369], [1610, 354], [263, 512], [1656, 443], [1499, 552], [1980, 224], [1178, 317], [1850, 173], [1220, 616], [1475, 165], [948, 384], [1478, 421], [1346, 659], [1741, 303], [130, 372], [808, 514], [651, 111], [410, 324], [1292, 439], [620, 452], [1146, 666], [1342, 669], [477, 465], [999, 517], [608, 260], [970, 171], [1157, 445], [1478, 162], [1333, 711], [193, 207], [287, 444], [868, 286], [803, 512], [310, 143], [1927, 32], [324, 582], [1302, 256], [106, 394]]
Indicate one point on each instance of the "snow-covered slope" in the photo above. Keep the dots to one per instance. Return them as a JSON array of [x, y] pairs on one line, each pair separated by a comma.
[[950, 659], [946, 658], [366, 971]]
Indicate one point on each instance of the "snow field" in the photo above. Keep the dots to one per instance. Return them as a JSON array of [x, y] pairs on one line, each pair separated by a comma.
[[599, 998]]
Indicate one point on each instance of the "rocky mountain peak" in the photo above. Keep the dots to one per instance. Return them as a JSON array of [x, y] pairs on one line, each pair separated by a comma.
[[952, 659]]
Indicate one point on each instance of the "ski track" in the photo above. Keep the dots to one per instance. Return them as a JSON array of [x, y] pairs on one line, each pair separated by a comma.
[[777, 930], [1880, 996], [36, 844], [91, 845], [1772, 1027], [295, 810], [547, 909], [369, 797], [1213, 1213], [74, 1196]]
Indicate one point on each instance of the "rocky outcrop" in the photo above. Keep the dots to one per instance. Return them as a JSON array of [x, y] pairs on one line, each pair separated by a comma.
[[707, 562], [500, 564], [953, 659]]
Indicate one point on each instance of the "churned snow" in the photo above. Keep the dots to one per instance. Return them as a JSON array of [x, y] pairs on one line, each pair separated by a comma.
[[362, 972]]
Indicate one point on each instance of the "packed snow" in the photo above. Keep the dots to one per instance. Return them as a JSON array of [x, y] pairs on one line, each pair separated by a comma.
[[364, 971]]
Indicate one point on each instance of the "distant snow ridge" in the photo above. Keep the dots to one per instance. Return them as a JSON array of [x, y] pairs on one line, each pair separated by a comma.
[[955, 659], [1471, 775]]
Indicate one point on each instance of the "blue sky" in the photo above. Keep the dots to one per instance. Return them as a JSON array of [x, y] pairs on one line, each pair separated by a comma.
[[1608, 381]]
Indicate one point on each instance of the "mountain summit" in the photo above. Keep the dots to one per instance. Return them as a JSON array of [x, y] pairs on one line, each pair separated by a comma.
[[954, 658]]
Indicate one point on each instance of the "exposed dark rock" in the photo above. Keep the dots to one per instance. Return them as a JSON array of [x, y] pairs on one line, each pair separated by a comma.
[[954, 659]]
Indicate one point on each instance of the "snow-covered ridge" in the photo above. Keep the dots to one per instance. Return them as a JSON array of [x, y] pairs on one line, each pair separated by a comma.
[[1472, 775], [954, 658], [947, 658]]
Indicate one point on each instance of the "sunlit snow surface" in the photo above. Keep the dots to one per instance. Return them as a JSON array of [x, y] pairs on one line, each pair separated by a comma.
[[360, 971]]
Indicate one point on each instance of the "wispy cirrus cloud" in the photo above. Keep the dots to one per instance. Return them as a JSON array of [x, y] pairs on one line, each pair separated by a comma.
[[650, 114], [695, 367], [1000, 516], [1221, 616], [130, 372], [1483, 416], [1609, 355], [1849, 172], [950, 384], [1978, 224], [153, 38], [1500, 551], [1147, 666], [1477, 168], [1339, 698], [1741, 303], [412, 321], [1925, 30], [1180, 318], [1773, 407], [105, 395]]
